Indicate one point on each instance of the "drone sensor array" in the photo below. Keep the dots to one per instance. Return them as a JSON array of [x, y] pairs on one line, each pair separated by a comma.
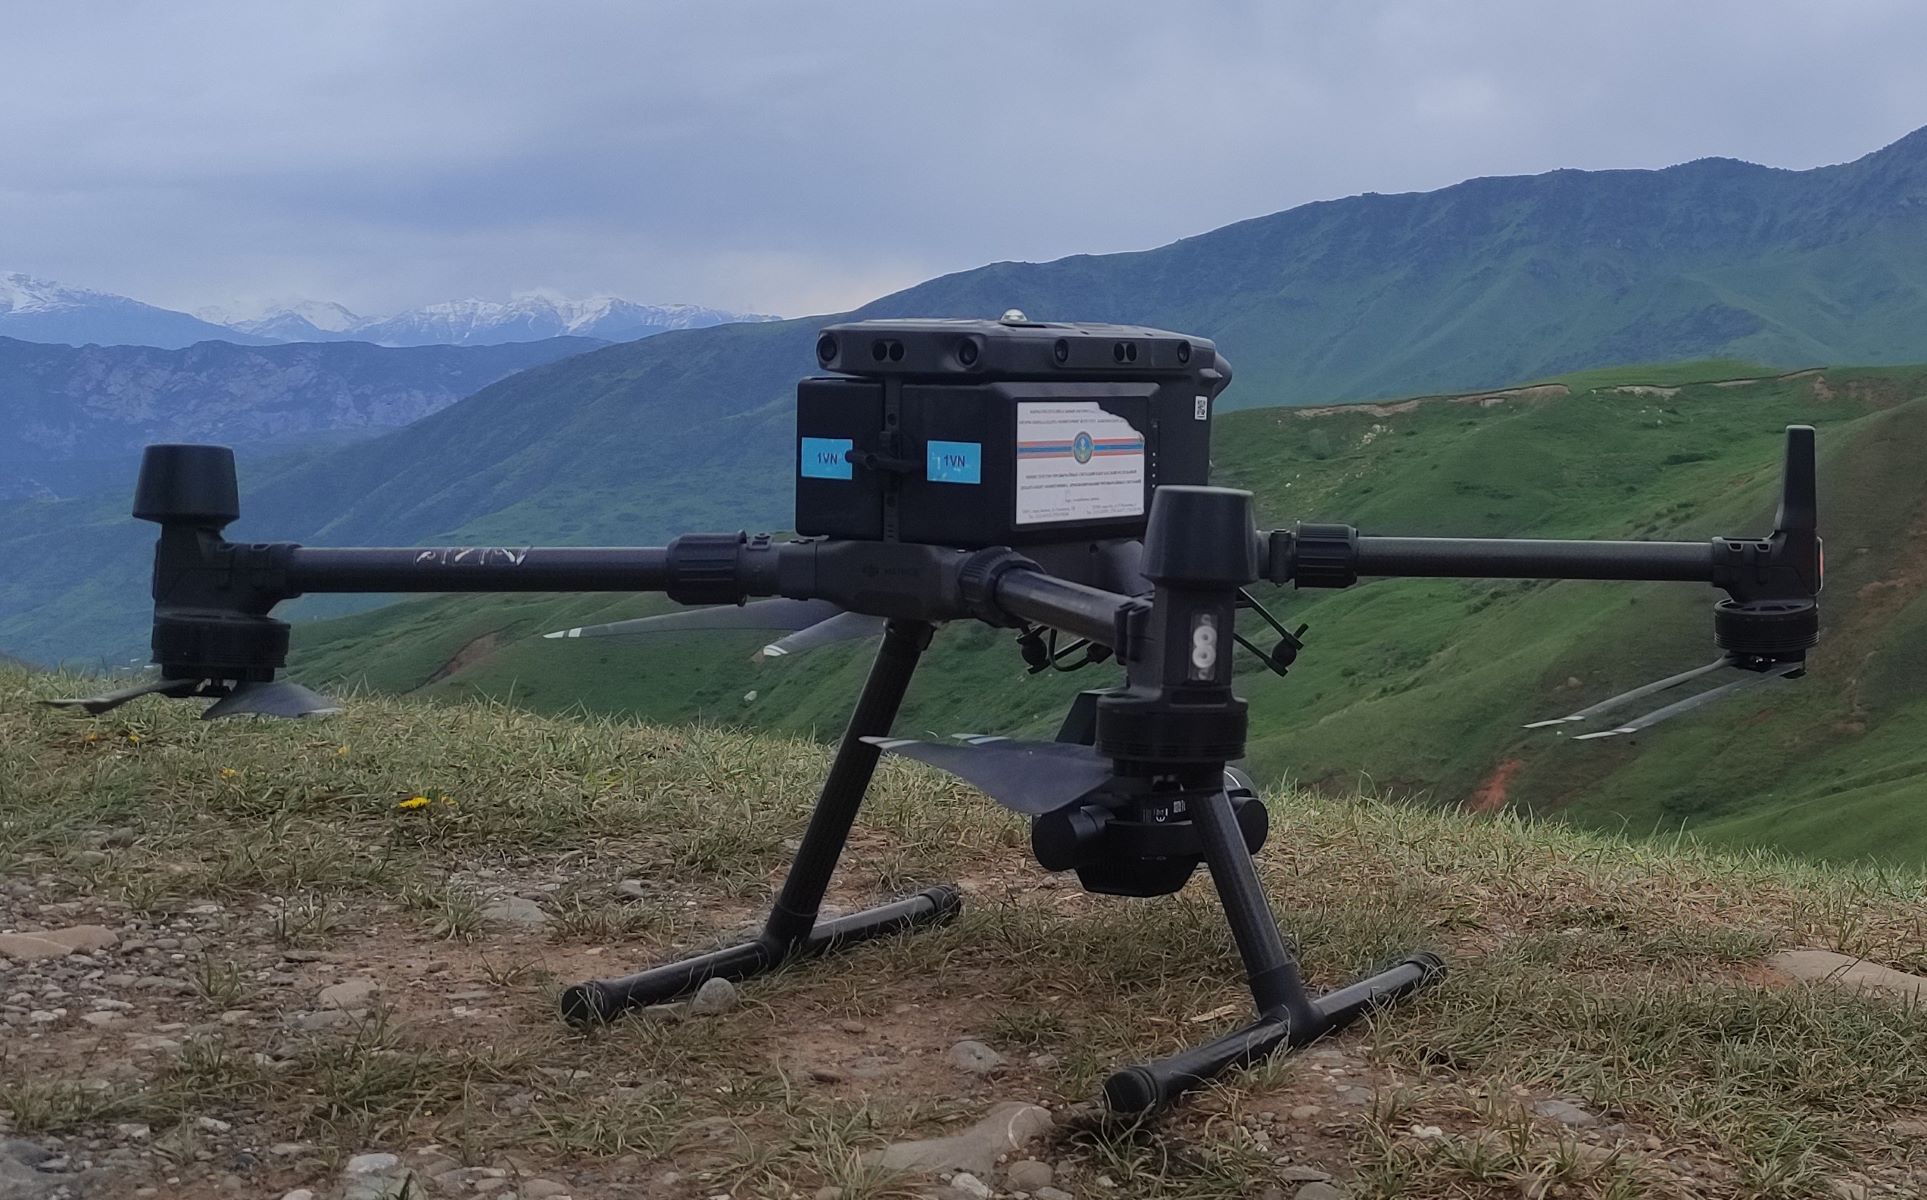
[[1047, 478]]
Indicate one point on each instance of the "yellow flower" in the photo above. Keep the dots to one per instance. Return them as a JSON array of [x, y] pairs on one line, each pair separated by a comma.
[[134, 738], [93, 737], [341, 751], [228, 772], [415, 802]]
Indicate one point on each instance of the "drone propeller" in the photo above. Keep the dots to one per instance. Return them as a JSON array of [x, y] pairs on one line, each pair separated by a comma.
[[792, 615], [273, 698], [1751, 677], [270, 698], [1750, 680], [843, 627], [95, 705], [1032, 778]]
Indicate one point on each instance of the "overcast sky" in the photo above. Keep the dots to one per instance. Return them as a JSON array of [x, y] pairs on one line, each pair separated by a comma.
[[797, 157]]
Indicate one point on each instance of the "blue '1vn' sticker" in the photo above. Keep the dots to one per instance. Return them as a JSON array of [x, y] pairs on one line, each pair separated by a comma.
[[954, 462], [824, 458]]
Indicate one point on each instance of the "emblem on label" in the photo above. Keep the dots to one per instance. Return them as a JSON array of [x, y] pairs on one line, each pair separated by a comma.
[[1081, 447]]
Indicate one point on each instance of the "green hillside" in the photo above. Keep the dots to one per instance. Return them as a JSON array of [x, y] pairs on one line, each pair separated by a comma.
[[1477, 285], [1416, 688]]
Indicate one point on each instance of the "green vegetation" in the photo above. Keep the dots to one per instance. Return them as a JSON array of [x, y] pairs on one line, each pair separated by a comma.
[[1413, 689], [1626, 976]]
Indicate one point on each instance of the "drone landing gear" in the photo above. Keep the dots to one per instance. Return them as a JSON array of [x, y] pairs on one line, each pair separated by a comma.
[[1287, 1015], [792, 930]]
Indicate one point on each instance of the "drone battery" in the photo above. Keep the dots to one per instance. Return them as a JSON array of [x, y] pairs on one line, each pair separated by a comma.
[[978, 433]]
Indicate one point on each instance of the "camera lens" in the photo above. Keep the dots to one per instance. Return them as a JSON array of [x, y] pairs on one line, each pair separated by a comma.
[[825, 348], [967, 353], [879, 349], [1184, 352], [1062, 350]]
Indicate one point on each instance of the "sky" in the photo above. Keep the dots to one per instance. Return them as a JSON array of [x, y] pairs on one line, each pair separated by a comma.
[[803, 157]]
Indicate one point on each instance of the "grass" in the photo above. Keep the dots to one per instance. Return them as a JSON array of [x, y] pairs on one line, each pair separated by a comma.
[[1626, 975]]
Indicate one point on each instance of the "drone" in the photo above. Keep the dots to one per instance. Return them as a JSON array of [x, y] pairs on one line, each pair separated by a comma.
[[1047, 478]]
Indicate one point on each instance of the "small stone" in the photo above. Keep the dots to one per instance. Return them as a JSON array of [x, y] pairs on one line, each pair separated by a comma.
[[1051, 1193], [213, 1124], [289, 1149], [1565, 1112], [974, 1058], [1028, 1175], [102, 1019], [826, 1075], [349, 993], [370, 1164], [21, 1150], [82, 937], [1301, 1174], [1320, 1191], [631, 888], [134, 1132], [1008, 1127], [28, 947], [713, 997], [541, 1189], [1427, 1133], [484, 1186], [298, 1194], [970, 1185], [1851, 974], [518, 911], [155, 1045], [1304, 1112]]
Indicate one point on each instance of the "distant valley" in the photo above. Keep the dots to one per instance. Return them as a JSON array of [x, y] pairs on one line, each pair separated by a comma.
[[74, 418]]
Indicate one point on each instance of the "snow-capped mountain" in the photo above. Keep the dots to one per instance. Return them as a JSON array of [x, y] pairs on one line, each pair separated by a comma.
[[289, 320], [40, 310], [523, 319]]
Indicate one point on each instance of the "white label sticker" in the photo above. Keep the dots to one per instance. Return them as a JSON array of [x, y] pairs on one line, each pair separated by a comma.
[[1076, 462], [1201, 408]]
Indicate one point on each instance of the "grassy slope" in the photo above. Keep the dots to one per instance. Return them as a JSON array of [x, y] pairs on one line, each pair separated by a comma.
[[1626, 976], [1418, 686]]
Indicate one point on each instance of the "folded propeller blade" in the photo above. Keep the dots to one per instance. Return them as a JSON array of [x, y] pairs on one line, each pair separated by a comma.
[[1777, 671], [843, 627], [96, 705], [784, 614], [273, 698], [1032, 778], [1639, 693]]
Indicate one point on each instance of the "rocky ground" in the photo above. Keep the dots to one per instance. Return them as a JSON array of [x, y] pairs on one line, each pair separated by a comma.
[[321, 962]]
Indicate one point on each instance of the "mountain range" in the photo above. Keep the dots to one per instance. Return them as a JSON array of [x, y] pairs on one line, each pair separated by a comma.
[[1483, 284], [40, 310], [481, 322]]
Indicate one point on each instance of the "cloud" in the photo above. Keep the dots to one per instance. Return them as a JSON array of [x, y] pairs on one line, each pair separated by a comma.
[[793, 158]]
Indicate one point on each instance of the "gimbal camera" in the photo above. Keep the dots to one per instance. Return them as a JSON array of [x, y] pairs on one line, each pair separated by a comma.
[[1050, 478]]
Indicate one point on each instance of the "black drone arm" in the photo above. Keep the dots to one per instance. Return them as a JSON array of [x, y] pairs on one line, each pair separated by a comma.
[[1772, 582]]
